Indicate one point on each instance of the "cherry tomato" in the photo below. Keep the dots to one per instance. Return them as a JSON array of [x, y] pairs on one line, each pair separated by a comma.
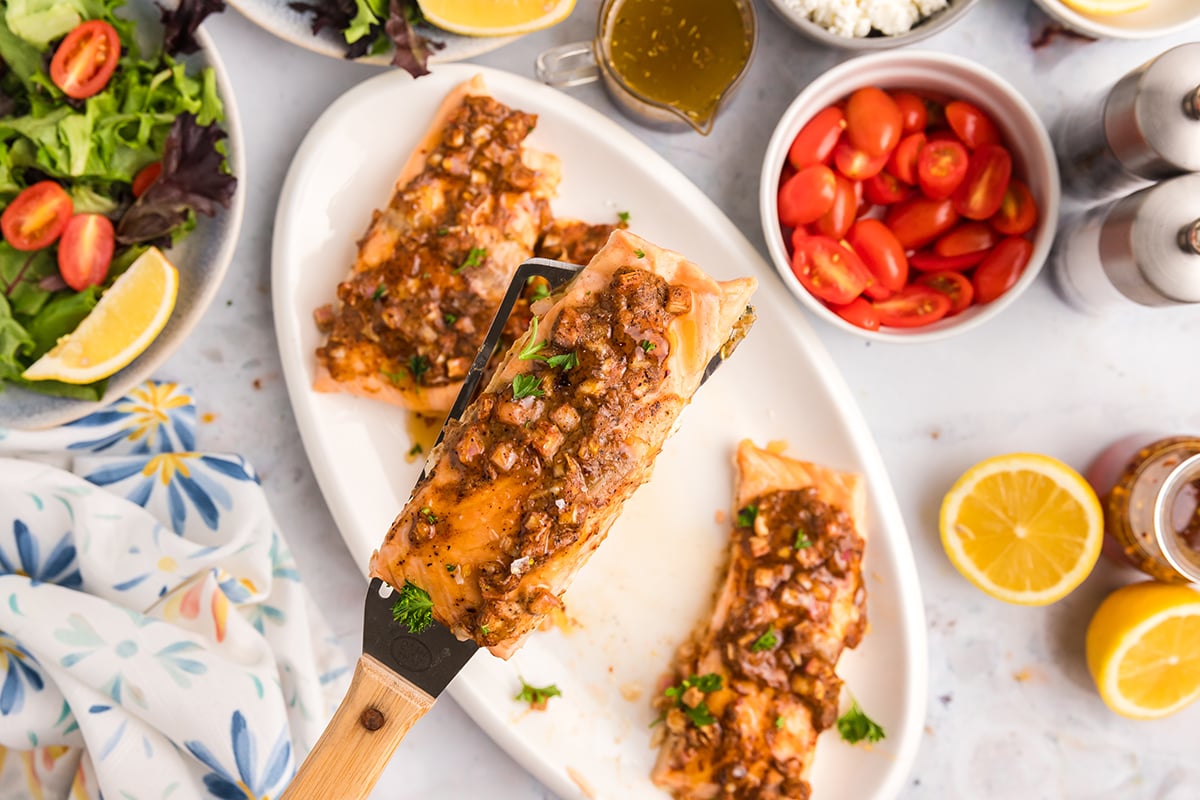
[[954, 285], [145, 177], [840, 216], [807, 195], [1018, 210], [982, 191], [912, 307], [859, 312], [86, 59], [918, 220], [967, 238], [856, 164], [881, 252], [941, 168], [36, 217], [85, 251], [828, 270], [913, 114], [973, 126], [884, 189], [926, 261], [873, 121], [799, 234], [817, 138], [903, 161], [1000, 271]]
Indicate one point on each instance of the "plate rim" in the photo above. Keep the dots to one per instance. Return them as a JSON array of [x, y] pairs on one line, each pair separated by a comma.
[[911, 616]]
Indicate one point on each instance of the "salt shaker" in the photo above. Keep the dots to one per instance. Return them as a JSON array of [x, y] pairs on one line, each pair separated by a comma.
[[1142, 249], [1145, 128]]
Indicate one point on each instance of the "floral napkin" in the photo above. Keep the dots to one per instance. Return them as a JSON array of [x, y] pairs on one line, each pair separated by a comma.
[[155, 639]]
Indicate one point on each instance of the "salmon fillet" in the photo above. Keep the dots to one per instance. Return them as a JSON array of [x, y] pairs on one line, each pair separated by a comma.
[[526, 485], [468, 207], [754, 687]]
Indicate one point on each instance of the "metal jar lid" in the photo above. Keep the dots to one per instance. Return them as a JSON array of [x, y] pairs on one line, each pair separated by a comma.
[[1183, 559], [1150, 243], [1152, 116]]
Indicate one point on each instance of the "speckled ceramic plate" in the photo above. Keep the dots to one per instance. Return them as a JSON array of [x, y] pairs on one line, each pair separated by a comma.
[[202, 259], [654, 577], [275, 16]]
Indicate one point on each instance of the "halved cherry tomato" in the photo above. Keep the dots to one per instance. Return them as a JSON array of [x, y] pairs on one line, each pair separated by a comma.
[[903, 161], [983, 189], [856, 164], [1002, 268], [918, 220], [1018, 210], [973, 126], [817, 138], [873, 121], [840, 216], [954, 285], [36, 217], [807, 195], [85, 251], [913, 114], [858, 312], [941, 168], [86, 59], [925, 261], [969, 237], [884, 189], [912, 307], [145, 177], [828, 270], [881, 253]]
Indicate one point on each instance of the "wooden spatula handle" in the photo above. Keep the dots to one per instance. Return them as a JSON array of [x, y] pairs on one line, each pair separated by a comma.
[[376, 712]]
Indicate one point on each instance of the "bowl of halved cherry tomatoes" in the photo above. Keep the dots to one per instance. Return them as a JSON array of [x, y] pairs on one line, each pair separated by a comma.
[[908, 196]]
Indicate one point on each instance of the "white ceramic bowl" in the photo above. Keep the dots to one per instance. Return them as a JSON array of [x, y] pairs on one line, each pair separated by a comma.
[[1160, 18], [935, 23], [1022, 131]]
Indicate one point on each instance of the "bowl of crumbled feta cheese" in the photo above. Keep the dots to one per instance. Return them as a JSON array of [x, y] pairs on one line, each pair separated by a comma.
[[870, 24]]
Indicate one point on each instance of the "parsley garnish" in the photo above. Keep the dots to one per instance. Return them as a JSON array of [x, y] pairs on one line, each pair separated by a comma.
[[443, 231], [451, 567], [765, 642], [746, 517], [646, 345], [484, 629], [474, 259], [855, 725], [450, 318], [413, 608], [566, 361], [394, 377], [699, 714], [779, 722], [802, 540], [379, 292], [532, 345], [541, 289], [526, 385], [428, 514], [416, 449], [535, 696], [640, 253], [418, 366], [623, 216]]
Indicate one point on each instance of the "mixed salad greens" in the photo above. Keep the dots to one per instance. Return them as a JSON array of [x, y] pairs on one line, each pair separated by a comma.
[[371, 26], [104, 151]]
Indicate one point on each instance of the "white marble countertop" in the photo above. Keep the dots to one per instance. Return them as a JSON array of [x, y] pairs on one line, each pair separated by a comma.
[[1012, 713]]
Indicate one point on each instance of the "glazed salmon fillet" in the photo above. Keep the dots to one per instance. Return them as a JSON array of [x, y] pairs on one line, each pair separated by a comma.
[[757, 683], [469, 206], [526, 485]]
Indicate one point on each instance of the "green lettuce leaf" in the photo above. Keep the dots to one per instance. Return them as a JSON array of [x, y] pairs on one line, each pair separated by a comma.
[[59, 317], [14, 341]]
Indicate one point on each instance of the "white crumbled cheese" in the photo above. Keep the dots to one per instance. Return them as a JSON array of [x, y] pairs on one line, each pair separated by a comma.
[[859, 17]]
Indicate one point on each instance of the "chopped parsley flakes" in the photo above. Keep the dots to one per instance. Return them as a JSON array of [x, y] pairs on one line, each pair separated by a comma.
[[537, 697], [765, 642], [699, 714], [640, 253], [413, 608], [418, 365], [379, 292], [623, 216], [526, 385], [564, 361], [428, 514], [541, 289], [646, 345], [855, 725], [532, 345], [474, 259], [746, 517], [416, 449], [802, 540]]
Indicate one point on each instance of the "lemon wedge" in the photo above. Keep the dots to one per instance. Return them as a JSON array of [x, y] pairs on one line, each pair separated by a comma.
[[495, 17], [1106, 8], [1024, 528], [122, 325], [1143, 649]]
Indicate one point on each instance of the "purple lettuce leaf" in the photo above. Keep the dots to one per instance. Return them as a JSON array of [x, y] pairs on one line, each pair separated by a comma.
[[180, 24]]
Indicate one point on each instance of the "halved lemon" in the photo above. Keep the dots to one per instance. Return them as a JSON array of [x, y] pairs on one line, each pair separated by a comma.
[[128, 317], [1143, 649], [1024, 528], [495, 17], [1106, 8]]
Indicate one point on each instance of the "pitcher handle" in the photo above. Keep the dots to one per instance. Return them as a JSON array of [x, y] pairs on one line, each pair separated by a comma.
[[567, 65]]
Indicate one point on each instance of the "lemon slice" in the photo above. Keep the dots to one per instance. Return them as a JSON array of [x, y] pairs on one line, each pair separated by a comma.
[[495, 17], [1024, 528], [1143, 649], [123, 324], [1106, 8]]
